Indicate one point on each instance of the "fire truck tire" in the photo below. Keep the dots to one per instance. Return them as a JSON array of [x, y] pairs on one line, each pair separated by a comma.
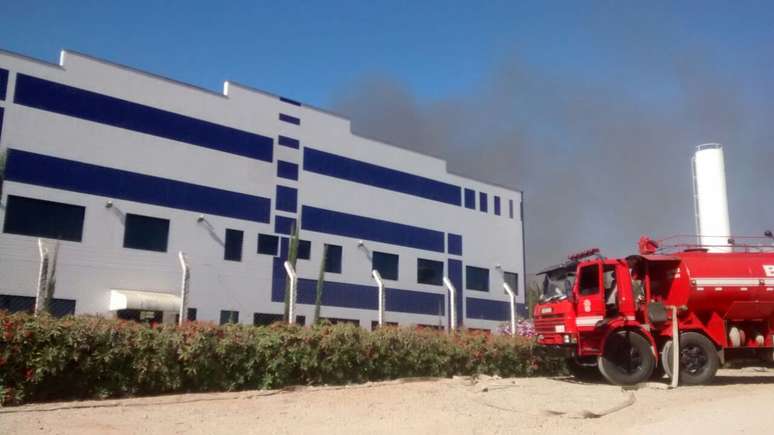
[[699, 359], [627, 358], [583, 372]]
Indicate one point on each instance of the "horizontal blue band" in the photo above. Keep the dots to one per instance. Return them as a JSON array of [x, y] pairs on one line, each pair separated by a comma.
[[289, 119], [42, 170], [486, 309], [358, 171], [3, 83], [91, 106], [365, 297], [360, 227]]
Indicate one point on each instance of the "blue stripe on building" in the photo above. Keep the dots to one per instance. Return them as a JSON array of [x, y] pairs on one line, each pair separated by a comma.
[[364, 297], [358, 171], [289, 119], [3, 83], [470, 199], [483, 204], [454, 268], [486, 309], [360, 227], [454, 244], [42, 170], [288, 142], [287, 170], [287, 199], [91, 106]]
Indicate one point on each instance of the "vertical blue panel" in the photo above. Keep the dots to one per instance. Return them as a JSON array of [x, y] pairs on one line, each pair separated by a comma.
[[283, 225], [510, 208], [2, 113], [334, 165], [289, 119], [287, 170], [360, 227], [497, 205], [42, 170], [3, 83], [470, 199], [288, 142], [454, 244], [487, 309], [455, 276], [91, 106], [483, 202], [287, 199]]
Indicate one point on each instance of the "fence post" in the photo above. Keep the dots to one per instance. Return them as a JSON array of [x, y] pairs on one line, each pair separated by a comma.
[[380, 284], [512, 295], [186, 278], [452, 299], [292, 293]]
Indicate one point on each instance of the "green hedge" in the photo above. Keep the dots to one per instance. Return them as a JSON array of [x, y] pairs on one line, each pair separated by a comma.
[[45, 358]]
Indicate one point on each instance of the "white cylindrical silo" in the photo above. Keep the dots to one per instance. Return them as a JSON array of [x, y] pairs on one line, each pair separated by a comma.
[[710, 200]]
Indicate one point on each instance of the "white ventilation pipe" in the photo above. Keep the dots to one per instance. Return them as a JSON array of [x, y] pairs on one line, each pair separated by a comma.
[[40, 297], [710, 197], [293, 288], [185, 280], [452, 305], [380, 284], [512, 295]]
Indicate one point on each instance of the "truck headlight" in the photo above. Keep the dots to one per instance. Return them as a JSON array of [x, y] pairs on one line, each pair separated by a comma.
[[566, 339], [559, 328]]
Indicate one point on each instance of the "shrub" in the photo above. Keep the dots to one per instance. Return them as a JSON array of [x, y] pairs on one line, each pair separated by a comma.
[[44, 358]]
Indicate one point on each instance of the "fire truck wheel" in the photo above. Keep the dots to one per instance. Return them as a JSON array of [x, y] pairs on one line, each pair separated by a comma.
[[582, 372], [698, 359], [627, 358]]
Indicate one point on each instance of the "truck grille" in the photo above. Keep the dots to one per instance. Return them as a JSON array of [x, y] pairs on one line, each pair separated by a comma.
[[546, 324]]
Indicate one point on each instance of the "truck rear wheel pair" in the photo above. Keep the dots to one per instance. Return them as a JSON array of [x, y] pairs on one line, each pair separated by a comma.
[[698, 359]]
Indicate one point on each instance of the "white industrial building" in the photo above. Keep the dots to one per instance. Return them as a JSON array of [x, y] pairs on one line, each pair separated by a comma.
[[127, 169]]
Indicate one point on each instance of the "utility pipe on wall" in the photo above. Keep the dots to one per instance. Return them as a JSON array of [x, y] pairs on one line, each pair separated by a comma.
[[293, 288], [40, 302], [452, 305], [512, 295], [184, 284], [380, 284]]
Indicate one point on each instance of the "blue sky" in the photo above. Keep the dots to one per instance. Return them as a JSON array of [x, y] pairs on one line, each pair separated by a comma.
[[593, 108]]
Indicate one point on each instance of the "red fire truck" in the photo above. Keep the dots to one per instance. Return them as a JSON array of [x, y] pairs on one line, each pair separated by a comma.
[[617, 316]]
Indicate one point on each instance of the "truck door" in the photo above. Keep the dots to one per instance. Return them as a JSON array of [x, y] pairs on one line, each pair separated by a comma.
[[591, 304]]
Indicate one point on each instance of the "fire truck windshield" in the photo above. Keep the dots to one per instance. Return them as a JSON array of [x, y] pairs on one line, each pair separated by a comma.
[[558, 284]]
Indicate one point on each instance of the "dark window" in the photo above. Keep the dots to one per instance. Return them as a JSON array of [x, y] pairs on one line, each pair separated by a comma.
[[191, 314], [429, 272], [16, 304], [265, 319], [375, 324], [35, 217], [227, 316], [476, 278], [304, 250], [268, 244], [336, 320], [233, 251], [589, 280], [386, 264], [483, 202], [333, 258], [289, 119], [470, 198], [497, 205], [513, 280], [144, 232]]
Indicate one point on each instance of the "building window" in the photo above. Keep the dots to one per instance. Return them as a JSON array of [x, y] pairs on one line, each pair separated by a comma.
[[26, 304], [233, 248], [470, 199], [497, 205], [191, 314], [332, 258], [386, 264], [145, 232], [265, 319], [35, 217], [268, 244], [429, 272], [476, 278], [483, 202], [227, 316], [304, 250], [512, 279]]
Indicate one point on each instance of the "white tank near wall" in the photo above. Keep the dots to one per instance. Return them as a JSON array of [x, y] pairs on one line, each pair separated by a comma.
[[710, 198]]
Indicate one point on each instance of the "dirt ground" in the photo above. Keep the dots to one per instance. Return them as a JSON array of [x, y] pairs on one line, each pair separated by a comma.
[[740, 401]]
